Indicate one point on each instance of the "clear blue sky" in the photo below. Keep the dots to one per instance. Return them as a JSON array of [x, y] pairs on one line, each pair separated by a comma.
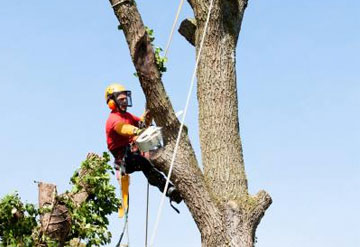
[[299, 101]]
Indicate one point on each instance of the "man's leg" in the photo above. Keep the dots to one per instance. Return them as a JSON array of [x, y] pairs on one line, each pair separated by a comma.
[[136, 162]]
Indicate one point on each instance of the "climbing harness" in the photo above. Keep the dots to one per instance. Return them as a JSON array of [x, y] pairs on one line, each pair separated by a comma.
[[181, 126]]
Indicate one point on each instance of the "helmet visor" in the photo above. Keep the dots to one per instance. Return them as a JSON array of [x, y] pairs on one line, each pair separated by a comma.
[[123, 98]]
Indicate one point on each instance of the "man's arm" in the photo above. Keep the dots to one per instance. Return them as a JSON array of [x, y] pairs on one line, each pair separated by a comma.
[[127, 129]]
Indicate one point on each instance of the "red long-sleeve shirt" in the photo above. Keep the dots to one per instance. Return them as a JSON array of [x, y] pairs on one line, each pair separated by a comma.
[[113, 139]]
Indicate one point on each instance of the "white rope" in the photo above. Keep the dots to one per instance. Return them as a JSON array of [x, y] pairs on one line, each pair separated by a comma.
[[147, 215], [181, 127], [173, 27], [127, 232]]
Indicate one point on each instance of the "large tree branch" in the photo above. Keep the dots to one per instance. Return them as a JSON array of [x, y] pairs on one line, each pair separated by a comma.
[[143, 57]]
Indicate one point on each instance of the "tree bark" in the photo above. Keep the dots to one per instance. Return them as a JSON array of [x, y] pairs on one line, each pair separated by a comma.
[[218, 199], [218, 104]]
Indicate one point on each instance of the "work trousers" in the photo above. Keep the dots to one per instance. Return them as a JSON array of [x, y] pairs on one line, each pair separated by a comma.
[[134, 161]]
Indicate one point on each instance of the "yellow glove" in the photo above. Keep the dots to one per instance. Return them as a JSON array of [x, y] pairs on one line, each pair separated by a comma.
[[138, 131], [126, 129]]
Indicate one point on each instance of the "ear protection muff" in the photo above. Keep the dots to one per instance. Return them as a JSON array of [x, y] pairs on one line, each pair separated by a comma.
[[112, 104]]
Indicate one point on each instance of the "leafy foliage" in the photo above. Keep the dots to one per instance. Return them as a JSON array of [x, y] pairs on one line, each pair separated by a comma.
[[89, 220], [160, 61], [17, 221]]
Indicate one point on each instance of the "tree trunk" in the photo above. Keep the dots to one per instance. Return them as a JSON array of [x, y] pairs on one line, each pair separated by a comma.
[[218, 199], [218, 113]]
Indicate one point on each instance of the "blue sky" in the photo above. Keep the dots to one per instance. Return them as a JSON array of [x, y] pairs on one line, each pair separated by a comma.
[[299, 98]]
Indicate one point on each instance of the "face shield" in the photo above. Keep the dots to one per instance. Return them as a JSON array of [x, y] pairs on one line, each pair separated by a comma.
[[123, 98]]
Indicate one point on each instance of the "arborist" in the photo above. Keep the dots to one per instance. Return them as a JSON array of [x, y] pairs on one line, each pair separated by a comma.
[[122, 129]]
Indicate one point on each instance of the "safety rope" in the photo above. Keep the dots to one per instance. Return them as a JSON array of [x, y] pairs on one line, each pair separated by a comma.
[[125, 229], [173, 28], [147, 214], [181, 126]]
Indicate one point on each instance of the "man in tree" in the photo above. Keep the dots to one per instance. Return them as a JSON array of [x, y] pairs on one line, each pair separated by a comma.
[[122, 129]]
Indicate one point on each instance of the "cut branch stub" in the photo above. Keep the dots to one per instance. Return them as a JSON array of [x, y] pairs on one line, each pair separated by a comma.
[[263, 202], [187, 29], [241, 218], [55, 219]]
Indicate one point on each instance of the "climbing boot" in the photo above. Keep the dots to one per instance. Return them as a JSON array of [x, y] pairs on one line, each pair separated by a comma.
[[174, 194]]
